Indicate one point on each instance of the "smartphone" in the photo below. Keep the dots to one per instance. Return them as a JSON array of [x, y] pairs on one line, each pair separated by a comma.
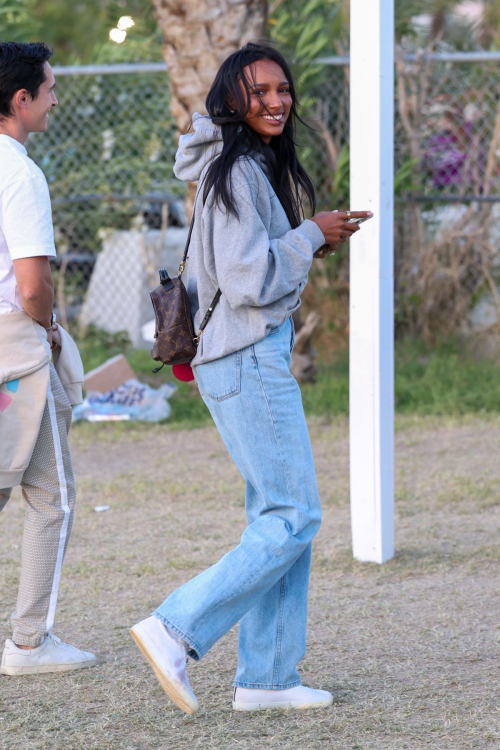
[[359, 221]]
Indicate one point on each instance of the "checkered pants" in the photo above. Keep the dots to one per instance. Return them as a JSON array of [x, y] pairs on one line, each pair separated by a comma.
[[48, 488]]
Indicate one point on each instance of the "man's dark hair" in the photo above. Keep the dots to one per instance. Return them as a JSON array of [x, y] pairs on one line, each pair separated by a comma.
[[21, 67]]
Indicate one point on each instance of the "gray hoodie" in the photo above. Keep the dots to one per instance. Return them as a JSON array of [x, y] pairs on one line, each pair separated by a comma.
[[259, 263]]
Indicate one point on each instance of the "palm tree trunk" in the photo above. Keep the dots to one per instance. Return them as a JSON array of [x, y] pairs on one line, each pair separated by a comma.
[[198, 36]]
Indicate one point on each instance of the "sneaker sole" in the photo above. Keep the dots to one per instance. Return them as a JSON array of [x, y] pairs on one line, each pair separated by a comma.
[[46, 668], [166, 682], [286, 705]]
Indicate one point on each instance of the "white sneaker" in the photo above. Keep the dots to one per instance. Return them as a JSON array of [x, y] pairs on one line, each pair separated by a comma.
[[52, 655], [167, 656], [246, 699]]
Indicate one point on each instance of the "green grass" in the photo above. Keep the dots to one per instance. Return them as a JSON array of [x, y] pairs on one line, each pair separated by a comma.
[[442, 381], [446, 380]]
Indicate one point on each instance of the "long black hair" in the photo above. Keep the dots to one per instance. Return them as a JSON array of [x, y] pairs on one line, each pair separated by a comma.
[[228, 105]]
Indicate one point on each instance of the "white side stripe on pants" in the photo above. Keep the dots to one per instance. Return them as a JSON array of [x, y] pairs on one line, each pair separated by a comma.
[[64, 506]]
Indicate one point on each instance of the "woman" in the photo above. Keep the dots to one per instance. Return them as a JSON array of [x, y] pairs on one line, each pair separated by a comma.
[[250, 240]]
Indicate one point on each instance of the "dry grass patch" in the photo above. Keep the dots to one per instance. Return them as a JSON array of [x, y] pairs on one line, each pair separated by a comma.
[[410, 648]]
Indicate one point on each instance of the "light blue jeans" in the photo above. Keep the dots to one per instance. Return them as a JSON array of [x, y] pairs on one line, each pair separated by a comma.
[[257, 407]]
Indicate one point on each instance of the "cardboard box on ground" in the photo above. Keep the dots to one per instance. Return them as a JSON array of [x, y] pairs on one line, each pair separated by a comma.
[[113, 393], [109, 375]]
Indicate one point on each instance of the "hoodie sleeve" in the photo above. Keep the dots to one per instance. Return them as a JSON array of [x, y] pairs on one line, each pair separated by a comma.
[[197, 149], [253, 270]]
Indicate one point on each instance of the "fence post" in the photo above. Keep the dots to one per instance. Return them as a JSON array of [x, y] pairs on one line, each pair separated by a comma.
[[371, 281]]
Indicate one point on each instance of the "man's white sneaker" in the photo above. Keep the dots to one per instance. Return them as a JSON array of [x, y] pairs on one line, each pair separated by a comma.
[[52, 655], [246, 699], [167, 656]]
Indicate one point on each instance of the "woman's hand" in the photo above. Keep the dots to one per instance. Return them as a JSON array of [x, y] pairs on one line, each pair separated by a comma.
[[335, 225]]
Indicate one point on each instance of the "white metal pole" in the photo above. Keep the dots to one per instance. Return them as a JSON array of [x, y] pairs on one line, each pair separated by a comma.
[[371, 280]]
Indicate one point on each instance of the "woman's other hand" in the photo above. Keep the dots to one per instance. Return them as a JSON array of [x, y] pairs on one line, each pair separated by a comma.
[[335, 225]]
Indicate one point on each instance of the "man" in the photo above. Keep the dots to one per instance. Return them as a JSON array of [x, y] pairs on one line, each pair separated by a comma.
[[35, 413]]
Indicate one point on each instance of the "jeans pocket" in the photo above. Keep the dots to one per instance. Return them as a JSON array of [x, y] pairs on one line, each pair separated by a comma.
[[221, 378]]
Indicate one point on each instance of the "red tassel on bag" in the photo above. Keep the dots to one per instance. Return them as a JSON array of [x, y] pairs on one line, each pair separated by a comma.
[[183, 372]]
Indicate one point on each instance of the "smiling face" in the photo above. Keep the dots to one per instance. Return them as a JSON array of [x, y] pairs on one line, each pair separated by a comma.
[[32, 115], [270, 98], [36, 111]]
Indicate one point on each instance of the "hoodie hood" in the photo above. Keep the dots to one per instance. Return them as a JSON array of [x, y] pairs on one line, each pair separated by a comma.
[[197, 149]]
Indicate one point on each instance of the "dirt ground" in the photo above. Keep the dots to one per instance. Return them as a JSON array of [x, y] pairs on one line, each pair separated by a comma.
[[410, 649]]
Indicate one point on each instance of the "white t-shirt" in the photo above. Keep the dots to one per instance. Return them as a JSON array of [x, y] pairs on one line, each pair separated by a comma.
[[25, 217]]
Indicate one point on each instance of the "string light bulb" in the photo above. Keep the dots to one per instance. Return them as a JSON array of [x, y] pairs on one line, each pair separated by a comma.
[[118, 35], [125, 22]]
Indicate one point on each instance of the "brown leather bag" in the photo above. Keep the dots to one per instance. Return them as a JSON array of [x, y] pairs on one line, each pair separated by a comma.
[[175, 342]]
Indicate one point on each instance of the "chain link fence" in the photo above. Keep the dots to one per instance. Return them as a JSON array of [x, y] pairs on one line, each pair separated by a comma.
[[108, 157], [447, 127], [118, 210], [448, 163]]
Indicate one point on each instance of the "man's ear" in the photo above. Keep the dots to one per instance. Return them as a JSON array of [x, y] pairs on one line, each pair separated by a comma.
[[21, 98]]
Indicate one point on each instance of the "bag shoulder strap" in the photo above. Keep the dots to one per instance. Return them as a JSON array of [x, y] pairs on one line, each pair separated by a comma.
[[186, 248], [208, 314], [182, 266]]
